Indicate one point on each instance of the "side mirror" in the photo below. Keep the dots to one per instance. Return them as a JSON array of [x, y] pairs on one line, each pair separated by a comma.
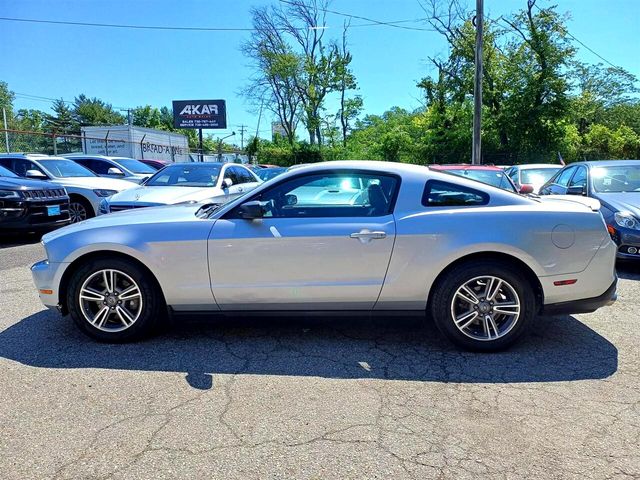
[[252, 210], [577, 190], [226, 183], [291, 199], [526, 189], [115, 171], [35, 174]]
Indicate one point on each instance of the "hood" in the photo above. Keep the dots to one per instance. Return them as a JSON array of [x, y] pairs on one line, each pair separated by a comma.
[[165, 195], [569, 201], [25, 184], [164, 214], [621, 202], [95, 182]]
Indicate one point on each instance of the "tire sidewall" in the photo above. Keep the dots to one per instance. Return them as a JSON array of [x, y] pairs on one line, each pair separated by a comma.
[[151, 305], [446, 288]]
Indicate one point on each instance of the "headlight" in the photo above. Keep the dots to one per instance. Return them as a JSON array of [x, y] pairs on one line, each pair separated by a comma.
[[105, 193], [10, 194], [627, 220], [103, 208]]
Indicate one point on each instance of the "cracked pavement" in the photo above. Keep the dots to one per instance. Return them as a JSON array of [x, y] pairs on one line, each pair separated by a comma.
[[314, 398]]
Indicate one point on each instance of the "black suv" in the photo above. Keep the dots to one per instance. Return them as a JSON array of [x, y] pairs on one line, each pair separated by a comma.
[[31, 205]]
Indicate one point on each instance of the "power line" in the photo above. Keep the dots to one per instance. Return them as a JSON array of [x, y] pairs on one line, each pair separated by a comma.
[[585, 45], [393, 24], [197, 29]]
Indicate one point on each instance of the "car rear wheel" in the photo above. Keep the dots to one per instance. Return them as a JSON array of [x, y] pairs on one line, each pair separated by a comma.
[[114, 300], [483, 306], [79, 210]]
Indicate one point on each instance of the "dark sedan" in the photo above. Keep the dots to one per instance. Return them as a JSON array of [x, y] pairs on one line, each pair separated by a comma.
[[616, 184], [31, 205]]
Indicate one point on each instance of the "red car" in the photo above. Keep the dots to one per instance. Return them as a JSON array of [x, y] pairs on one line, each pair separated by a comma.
[[489, 174], [157, 164]]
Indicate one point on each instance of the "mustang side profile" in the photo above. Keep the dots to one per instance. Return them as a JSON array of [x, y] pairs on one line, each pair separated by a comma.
[[339, 236]]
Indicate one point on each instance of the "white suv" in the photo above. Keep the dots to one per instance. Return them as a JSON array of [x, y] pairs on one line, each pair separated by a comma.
[[85, 188], [122, 168]]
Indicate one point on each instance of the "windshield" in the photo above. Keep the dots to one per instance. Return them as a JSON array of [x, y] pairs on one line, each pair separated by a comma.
[[537, 176], [186, 175], [492, 177], [269, 173], [7, 173], [616, 178], [134, 166], [63, 168]]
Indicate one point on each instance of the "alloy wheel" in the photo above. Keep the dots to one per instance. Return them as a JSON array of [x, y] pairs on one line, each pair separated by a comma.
[[77, 212], [485, 308], [110, 300]]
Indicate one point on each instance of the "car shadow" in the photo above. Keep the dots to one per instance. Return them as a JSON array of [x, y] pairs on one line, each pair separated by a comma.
[[392, 348], [628, 270]]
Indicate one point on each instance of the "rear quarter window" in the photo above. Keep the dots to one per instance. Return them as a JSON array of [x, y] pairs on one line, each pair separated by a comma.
[[445, 194]]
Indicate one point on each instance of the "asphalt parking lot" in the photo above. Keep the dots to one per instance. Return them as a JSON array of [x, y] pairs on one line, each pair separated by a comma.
[[313, 398]]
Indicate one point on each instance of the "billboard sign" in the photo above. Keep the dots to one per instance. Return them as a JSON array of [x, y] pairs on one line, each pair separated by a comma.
[[199, 114]]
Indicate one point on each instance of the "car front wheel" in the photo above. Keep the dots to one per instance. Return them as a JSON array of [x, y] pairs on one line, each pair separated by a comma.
[[483, 306], [113, 300]]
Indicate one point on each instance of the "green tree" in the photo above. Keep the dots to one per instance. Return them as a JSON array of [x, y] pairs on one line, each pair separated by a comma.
[[62, 120], [93, 111]]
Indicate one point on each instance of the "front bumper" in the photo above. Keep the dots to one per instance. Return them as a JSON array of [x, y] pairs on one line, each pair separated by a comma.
[[29, 215], [626, 239], [585, 305], [46, 277]]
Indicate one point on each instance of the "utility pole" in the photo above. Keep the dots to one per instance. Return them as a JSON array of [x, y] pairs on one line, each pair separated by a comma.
[[476, 155], [6, 134], [242, 129]]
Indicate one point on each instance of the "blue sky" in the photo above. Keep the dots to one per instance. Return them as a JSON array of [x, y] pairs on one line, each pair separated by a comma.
[[129, 68]]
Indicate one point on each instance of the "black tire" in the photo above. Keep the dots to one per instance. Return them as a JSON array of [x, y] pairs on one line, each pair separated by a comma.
[[84, 204], [446, 288], [151, 313]]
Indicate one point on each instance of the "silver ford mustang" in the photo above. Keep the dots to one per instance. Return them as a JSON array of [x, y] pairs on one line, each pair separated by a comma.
[[358, 236]]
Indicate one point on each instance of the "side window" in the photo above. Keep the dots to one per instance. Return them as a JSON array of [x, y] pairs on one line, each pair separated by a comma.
[[580, 178], [247, 177], [21, 166], [98, 166], [564, 177], [231, 174], [335, 194], [444, 194], [242, 175], [7, 163], [513, 174]]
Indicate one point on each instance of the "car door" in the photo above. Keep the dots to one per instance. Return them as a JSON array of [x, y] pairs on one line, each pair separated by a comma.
[[324, 243], [559, 184]]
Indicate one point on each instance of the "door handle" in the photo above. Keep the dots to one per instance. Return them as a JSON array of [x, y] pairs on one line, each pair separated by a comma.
[[365, 236], [240, 189]]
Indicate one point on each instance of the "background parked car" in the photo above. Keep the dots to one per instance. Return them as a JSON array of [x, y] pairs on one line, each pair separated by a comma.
[[616, 184], [267, 173], [114, 167], [489, 174], [31, 205], [156, 164], [84, 187], [533, 175], [186, 182]]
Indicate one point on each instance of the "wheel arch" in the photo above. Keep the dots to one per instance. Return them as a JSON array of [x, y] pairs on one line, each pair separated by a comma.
[[84, 200], [504, 258], [97, 255]]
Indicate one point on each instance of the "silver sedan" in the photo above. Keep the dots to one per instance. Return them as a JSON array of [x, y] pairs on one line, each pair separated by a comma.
[[336, 237]]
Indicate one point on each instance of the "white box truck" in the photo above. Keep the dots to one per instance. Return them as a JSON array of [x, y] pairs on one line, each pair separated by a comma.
[[135, 142]]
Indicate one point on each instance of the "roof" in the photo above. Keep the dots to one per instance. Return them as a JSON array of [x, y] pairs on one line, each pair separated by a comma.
[[527, 166], [597, 163], [464, 166]]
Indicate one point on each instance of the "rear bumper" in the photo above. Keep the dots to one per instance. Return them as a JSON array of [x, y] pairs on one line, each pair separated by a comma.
[[586, 305]]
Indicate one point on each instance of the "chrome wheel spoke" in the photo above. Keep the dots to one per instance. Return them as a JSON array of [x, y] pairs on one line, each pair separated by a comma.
[[101, 317], [507, 308], [125, 317], [130, 293], [466, 319], [467, 295], [91, 294], [109, 280], [493, 287]]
